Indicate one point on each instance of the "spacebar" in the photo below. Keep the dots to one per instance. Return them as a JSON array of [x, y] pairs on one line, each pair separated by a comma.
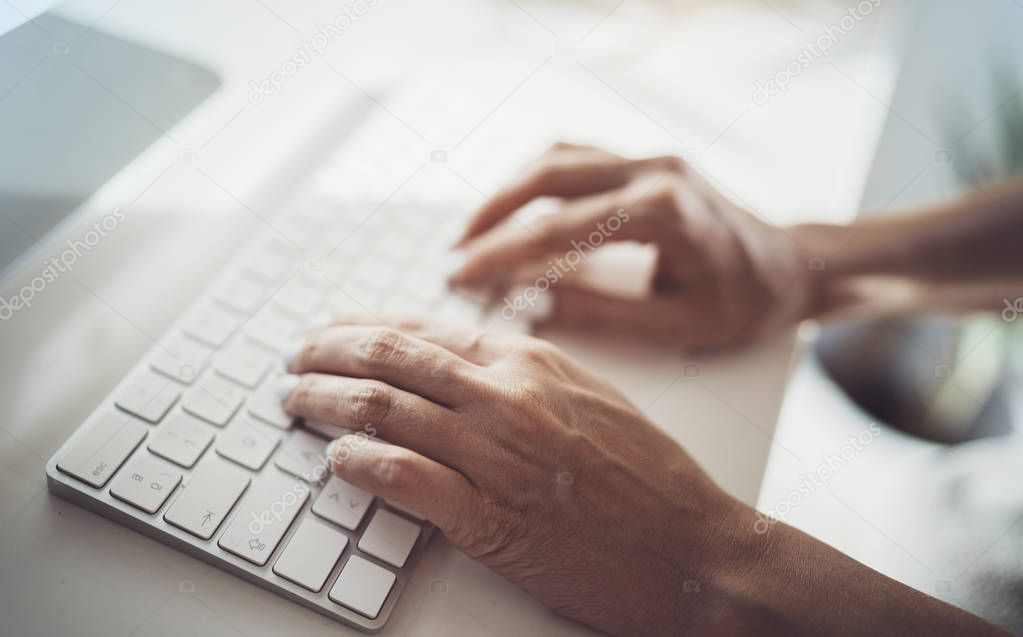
[[263, 518]]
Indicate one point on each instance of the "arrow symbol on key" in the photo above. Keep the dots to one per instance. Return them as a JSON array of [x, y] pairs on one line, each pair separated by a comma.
[[206, 517]]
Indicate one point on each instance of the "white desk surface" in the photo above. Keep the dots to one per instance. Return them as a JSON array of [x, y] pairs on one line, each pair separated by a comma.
[[482, 81]]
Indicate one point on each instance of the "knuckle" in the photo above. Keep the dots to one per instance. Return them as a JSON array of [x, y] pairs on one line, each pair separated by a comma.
[[547, 175], [307, 353], [550, 226], [381, 346], [370, 403], [493, 529], [537, 351], [394, 469], [302, 396]]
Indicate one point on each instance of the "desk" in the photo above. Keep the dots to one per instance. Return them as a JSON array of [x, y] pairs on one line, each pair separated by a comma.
[[489, 83]]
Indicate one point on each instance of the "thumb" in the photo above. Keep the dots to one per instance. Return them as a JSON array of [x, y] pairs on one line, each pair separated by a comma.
[[578, 306]]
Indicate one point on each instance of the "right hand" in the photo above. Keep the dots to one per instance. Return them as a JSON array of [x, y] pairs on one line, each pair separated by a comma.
[[722, 277], [530, 465]]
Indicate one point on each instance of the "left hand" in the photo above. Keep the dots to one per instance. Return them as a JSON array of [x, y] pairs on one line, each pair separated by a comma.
[[723, 276]]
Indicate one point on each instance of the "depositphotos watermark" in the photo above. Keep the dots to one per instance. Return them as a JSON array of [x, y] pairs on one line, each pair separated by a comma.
[[813, 50], [307, 50], [275, 513], [1013, 309], [62, 263], [821, 476], [560, 267]]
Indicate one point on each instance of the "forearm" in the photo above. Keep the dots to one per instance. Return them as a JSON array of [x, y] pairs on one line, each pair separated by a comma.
[[962, 255], [784, 582]]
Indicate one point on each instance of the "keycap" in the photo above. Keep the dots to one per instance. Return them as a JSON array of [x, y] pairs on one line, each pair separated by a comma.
[[241, 295], [272, 329], [265, 404], [271, 265], [247, 443], [181, 359], [389, 537], [300, 300], [207, 498], [244, 363], [182, 439], [303, 456], [407, 511], [362, 586], [145, 483], [263, 518], [101, 447], [330, 431], [212, 325], [311, 554], [213, 399], [342, 503], [148, 396]]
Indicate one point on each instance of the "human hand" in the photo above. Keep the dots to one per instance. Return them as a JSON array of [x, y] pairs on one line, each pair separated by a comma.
[[527, 463], [722, 276]]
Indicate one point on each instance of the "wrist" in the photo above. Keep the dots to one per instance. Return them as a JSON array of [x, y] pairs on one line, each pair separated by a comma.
[[832, 273]]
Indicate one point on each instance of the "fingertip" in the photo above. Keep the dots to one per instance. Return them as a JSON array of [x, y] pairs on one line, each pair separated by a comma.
[[286, 384]]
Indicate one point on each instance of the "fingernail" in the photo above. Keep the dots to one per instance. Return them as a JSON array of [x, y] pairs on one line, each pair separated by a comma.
[[286, 384], [291, 350], [529, 304], [318, 321]]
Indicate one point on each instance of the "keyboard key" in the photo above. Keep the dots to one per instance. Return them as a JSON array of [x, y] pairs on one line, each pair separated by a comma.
[[213, 399], [273, 266], [181, 359], [300, 300], [145, 483], [101, 447], [182, 439], [407, 511], [207, 498], [247, 443], [389, 537], [243, 363], [265, 405], [272, 329], [149, 396], [362, 586], [263, 518], [303, 456], [311, 554], [328, 430], [241, 295], [212, 326], [342, 503]]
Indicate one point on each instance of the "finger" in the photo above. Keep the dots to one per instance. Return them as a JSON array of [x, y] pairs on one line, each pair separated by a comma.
[[577, 174], [387, 355], [428, 488], [374, 408], [579, 228], [469, 342]]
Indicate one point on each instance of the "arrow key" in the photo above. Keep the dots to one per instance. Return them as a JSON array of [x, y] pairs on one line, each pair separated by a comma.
[[342, 503]]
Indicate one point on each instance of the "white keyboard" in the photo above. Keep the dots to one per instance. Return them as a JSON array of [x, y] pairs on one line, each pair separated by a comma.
[[193, 448]]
